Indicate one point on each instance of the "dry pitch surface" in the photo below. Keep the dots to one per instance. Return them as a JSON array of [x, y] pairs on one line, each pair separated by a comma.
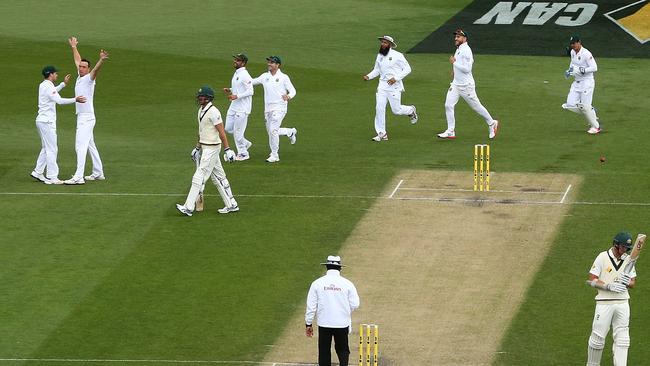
[[443, 269]]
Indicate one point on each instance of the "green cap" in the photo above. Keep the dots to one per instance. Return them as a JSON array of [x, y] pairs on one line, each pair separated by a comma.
[[574, 38], [47, 70], [274, 59], [205, 91], [460, 32], [241, 57], [623, 238]]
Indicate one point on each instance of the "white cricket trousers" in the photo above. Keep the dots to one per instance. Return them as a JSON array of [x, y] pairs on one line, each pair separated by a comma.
[[49, 150], [85, 143], [394, 98], [618, 317], [468, 92], [210, 167], [273, 122], [236, 125], [579, 100]]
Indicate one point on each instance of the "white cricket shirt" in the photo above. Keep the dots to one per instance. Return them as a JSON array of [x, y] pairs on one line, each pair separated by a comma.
[[463, 66], [608, 269], [48, 98], [583, 58], [209, 116], [332, 298], [241, 85], [393, 65], [85, 86], [275, 86]]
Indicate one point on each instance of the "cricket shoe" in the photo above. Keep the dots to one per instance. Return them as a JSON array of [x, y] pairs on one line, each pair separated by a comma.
[[380, 137], [447, 134], [593, 131], [494, 128], [414, 116], [272, 159], [242, 157], [227, 210], [38, 176], [184, 210], [95, 176], [292, 136], [53, 181], [74, 180]]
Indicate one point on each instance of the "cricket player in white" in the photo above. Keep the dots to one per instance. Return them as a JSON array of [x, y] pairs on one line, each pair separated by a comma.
[[278, 90], [612, 307], [582, 68], [85, 141], [332, 299], [211, 136], [48, 98], [463, 85], [391, 67], [240, 94]]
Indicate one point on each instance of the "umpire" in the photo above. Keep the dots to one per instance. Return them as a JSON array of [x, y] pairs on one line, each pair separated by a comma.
[[332, 298]]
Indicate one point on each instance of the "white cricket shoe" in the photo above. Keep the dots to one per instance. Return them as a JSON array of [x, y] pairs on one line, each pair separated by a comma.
[[55, 181], [227, 210], [38, 176], [272, 159], [184, 210], [74, 180], [447, 134], [242, 157], [292, 137], [95, 176], [414, 116], [593, 131], [380, 137], [494, 128]]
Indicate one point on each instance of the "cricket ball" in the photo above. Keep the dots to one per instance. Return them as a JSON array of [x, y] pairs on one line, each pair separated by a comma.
[[602, 158]]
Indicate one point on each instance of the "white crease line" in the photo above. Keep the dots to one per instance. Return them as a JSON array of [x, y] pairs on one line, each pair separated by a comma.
[[471, 190], [396, 188], [71, 360], [565, 193]]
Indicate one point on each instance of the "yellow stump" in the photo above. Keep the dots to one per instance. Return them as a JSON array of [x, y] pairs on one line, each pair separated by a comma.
[[361, 345], [376, 355], [476, 167], [487, 168]]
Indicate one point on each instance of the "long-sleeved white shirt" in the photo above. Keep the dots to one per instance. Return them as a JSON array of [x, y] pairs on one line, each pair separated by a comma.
[[393, 65], [275, 86], [585, 59], [331, 298], [48, 98], [241, 85], [463, 66], [85, 86]]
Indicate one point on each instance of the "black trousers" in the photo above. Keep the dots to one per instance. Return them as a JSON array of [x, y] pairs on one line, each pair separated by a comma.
[[341, 346]]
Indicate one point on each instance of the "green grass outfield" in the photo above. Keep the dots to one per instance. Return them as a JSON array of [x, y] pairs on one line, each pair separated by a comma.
[[126, 277]]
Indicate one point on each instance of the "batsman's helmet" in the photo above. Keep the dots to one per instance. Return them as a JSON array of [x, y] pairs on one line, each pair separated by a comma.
[[623, 238], [205, 91]]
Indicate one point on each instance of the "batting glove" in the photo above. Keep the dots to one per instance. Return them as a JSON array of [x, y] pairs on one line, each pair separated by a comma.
[[616, 287], [228, 155], [625, 279], [196, 154]]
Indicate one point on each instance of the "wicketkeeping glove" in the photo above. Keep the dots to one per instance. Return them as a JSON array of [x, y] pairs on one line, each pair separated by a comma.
[[625, 279], [582, 70], [616, 287], [228, 155], [569, 72], [196, 154]]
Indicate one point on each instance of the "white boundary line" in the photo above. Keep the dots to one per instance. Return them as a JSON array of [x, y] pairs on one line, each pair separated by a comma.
[[642, 41], [396, 188], [565, 193], [59, 360]]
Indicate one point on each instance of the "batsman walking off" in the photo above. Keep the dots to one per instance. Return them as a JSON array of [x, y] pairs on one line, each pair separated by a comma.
[[211, 136], [332, 299], [608, 274]]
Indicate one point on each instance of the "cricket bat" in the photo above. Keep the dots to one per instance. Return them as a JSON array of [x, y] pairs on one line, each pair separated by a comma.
[[636, 251]]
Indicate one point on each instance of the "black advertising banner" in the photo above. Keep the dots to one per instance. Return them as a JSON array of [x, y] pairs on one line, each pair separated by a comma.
[[607, 28]]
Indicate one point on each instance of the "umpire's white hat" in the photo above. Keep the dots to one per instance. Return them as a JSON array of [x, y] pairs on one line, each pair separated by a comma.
[[333, 260], [388, 39]]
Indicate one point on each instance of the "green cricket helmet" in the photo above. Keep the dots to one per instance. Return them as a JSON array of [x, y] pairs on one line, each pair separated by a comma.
[[205, 91], [623, 238]]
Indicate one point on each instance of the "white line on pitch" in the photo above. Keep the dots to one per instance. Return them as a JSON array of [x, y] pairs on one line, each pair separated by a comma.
[[565, 193], [75, 360], [396, 188], [471, 190]]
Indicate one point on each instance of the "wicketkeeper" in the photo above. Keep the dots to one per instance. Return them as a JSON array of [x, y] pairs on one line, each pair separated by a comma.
[[211, 136]]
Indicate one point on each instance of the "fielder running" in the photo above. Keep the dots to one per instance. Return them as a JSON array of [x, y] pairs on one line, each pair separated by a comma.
[[582, 67], [85, 141], [463, 85], [240, 94], [612, 308], [211, 136], [278, 90], [48, 98], [391, 67]]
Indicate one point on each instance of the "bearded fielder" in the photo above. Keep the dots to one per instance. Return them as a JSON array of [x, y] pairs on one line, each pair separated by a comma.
[[211, 136], [582, 68], [463, 86], [240, 95], [391, 67], [609, 276]]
